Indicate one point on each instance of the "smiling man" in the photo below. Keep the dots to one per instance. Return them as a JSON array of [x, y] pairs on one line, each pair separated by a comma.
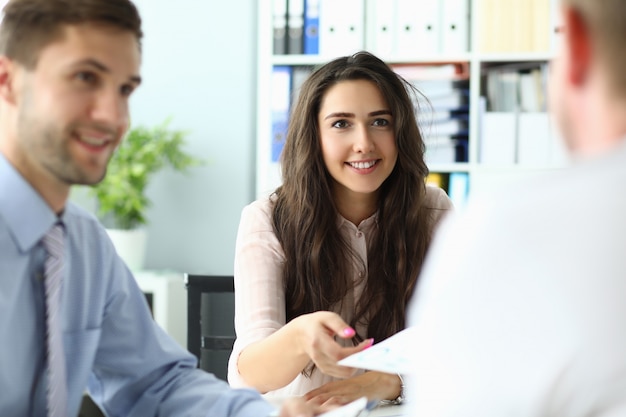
[[71, 314]]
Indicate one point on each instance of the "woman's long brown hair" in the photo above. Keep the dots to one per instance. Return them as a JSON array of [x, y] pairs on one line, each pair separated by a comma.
[[318, 272]]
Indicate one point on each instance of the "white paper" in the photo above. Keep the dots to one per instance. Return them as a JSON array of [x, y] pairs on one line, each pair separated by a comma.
[[392, 355]]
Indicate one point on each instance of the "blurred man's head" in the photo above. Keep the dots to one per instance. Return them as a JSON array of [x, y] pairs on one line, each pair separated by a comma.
[[588, 83]]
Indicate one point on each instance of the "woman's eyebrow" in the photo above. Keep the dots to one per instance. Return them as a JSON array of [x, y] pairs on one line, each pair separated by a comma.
[[339, 114]]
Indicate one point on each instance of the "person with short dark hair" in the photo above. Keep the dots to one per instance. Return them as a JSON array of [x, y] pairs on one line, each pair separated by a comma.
[[71, 314]]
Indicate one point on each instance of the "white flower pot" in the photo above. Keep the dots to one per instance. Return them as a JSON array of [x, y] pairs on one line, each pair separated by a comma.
[[130, 246]]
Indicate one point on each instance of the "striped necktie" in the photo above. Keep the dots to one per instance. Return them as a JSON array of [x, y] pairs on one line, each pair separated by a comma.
[[56, 393]]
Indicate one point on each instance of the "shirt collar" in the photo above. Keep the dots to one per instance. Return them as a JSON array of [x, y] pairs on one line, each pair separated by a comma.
[[27, 215], [366, 224]]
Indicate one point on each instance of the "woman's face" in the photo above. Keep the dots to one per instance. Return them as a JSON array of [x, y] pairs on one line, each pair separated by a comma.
[[357, 137]]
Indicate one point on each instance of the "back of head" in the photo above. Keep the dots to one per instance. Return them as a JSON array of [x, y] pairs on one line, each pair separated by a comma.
[[606, 22], [30, 25]]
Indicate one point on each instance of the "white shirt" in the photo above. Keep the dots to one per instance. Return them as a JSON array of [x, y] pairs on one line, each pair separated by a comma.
[[521, 308]]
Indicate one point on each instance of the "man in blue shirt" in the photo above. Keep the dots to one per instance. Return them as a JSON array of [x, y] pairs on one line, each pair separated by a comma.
[[67, 70]]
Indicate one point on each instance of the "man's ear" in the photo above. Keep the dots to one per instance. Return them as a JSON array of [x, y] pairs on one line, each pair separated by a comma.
[[8, 71], [578, 46]]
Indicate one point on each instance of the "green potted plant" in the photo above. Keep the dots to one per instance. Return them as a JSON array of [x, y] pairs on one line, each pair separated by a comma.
[[121, 196]]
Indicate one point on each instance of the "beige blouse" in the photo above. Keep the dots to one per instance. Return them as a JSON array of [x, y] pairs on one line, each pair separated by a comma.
[[259, 292]]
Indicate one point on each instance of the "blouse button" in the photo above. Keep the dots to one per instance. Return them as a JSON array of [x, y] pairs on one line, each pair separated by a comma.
[[359, 234]]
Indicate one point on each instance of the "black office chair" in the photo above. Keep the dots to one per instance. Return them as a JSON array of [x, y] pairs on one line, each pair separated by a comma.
[[89, 409], [210, 321]]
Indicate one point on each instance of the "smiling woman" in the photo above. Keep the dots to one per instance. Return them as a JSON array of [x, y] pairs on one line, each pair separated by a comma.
[[326, 265], [358, 145]]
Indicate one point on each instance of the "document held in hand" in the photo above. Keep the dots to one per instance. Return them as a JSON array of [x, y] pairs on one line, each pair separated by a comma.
[[392, 355]]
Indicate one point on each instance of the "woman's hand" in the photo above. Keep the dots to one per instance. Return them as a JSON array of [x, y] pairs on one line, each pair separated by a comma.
[[316, 338], [373, 385], [298, 407], [275, 361]]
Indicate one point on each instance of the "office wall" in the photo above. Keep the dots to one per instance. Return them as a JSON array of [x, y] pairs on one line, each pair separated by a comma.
[[199, 68]]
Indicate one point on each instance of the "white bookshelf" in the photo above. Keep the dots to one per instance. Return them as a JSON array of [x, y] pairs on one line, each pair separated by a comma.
[[481, 177]]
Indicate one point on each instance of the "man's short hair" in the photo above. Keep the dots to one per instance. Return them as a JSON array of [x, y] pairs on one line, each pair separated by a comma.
[[30, 25]]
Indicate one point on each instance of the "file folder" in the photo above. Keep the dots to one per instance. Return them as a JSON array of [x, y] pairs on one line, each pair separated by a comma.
[[341, 27], [454, 26], [295, 26], [418, 28], [440, 150], [279, 26], [382, 28], [299, 75], [533, 139], [281, 91], [458, 188], [455, 100], [311, 27], [497, 141]]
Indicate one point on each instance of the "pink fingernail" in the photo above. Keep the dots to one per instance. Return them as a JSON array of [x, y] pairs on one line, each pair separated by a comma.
[[348, 331], [371, 343]]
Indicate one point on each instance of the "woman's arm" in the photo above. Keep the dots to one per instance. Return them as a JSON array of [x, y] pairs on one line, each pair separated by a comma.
[[269, 353], [275, 361], [373, 385]]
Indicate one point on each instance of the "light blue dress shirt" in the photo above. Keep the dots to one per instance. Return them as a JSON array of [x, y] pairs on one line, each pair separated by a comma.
[[112, 345]]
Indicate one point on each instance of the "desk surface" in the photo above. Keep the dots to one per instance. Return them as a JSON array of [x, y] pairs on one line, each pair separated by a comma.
[[387, 411], [380, 411]]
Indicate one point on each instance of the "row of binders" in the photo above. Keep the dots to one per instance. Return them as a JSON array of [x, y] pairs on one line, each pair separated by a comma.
[[387, 28], [286, 82], [441, 105], [515, 127], [515, 86], [519, 138], [441, 108]]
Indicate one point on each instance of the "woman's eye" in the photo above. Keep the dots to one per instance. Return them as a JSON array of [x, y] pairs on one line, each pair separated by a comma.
[[381, 122], [86, 77], [127, 90], [340, 124]]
